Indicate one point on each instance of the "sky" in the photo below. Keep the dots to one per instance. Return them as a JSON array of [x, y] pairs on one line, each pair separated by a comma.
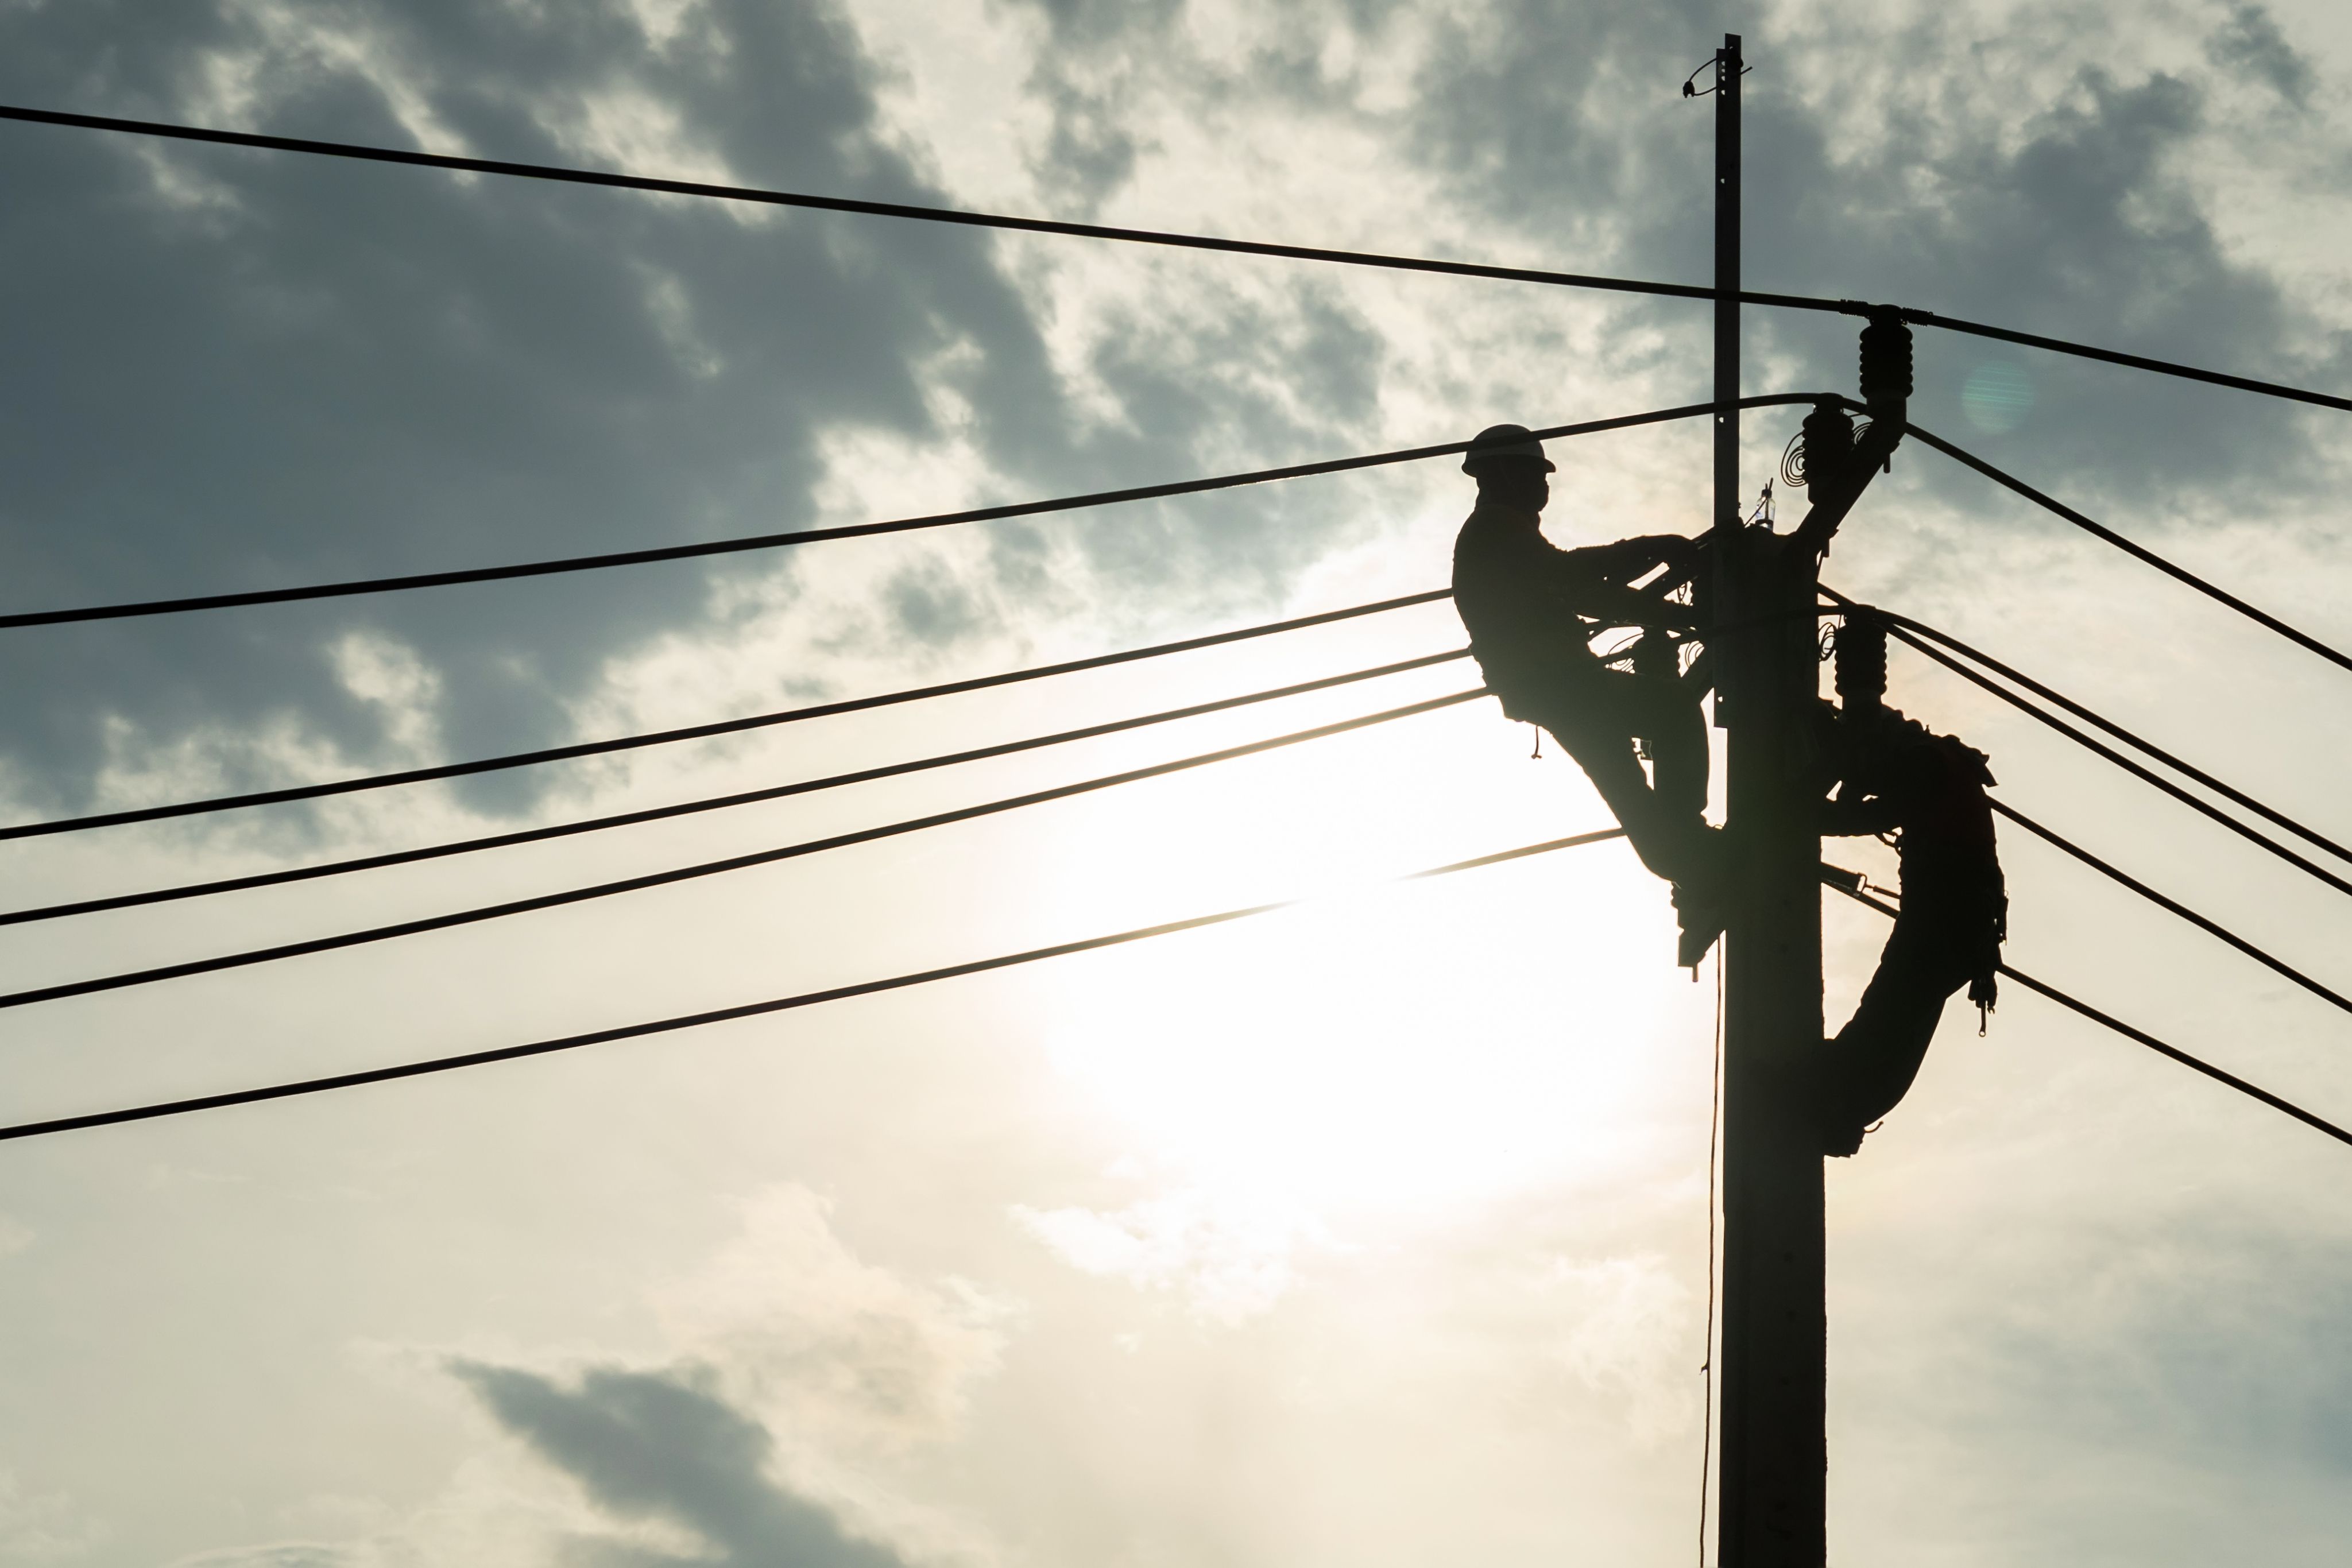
[[1372, 1233]]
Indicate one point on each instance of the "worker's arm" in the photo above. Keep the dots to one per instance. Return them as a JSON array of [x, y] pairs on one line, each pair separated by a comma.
[[1626, 560], [1593, 581]]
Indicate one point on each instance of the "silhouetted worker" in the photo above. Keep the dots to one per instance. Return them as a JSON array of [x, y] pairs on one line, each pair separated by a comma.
[[1896, 775], [1531, 608]]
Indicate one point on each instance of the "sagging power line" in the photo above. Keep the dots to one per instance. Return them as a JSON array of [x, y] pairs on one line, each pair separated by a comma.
[[2090, 743], [2141, 552], [2172, 906], [968, 219], [2188, 770], [707, 548], [695, 731], [479, 914], [708, 803], [727, 1015]]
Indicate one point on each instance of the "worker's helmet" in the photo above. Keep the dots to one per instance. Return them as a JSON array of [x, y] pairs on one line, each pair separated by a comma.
[[1498, 444]]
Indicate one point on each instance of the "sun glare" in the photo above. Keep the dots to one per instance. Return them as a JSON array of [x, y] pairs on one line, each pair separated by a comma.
[[1393, 1047]]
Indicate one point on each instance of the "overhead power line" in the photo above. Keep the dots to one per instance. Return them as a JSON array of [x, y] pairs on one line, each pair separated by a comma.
[[712, 803], [2142, 1037], [969, 219], [2202, 807], [727, 1015], [706, 868], [959, 217], [695, 731], [2099, 531], [2134, 361], [2176, 1054], [847, 531], [852, 530], [2238, 797], [2211, 927]]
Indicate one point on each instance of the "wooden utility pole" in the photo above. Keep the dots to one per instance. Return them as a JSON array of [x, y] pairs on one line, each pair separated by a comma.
[[1772, 1364]]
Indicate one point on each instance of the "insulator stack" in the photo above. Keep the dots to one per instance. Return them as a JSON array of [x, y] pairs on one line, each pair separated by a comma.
[[1828, 441], [1885, 362], [1861, 664]]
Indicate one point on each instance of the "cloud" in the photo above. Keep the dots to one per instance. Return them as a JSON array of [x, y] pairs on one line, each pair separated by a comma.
[[41, 1526], [662, 1446], [1625, 1324], [258, 370], [283, 1554], [832, 1347], [1229, 1260], [2040, 171], [2250, 40]]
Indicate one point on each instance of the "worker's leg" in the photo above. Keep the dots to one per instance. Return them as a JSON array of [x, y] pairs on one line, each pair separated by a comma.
[[1669, 720], [1593, 716]]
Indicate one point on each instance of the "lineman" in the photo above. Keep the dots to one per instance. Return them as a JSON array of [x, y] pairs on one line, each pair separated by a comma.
[[1531, 608]]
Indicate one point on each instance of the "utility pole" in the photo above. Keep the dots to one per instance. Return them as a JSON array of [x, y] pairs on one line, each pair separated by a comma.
[[1772, 1364]]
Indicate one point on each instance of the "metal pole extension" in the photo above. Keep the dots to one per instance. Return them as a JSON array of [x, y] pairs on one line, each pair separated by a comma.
[[1727, 281], [1772, 1367]]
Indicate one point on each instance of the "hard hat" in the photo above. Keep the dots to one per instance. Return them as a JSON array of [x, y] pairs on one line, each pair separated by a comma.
[[1500, 444]]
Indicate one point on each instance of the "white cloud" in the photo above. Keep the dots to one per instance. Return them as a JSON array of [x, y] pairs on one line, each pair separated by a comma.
[[1231, 1260], [821, 1342], [1625, 1326]]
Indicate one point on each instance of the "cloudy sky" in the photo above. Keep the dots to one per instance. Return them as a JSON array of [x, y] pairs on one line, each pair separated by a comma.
[[1371, 1234]]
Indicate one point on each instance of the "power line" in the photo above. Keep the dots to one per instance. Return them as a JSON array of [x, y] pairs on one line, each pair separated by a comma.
[[2210, 927], [2220, 595], [2176, 1054], [724, 1015], [2134, 362], [2203, 808], [852, 530], [2018, 678], [959, 217], [969, 219], [697, 731], [706, 868], [2084, 1008], [712, 803]]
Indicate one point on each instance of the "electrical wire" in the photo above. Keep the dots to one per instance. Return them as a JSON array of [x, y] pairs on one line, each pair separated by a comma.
[[2210, 927], [963, 218], [2134, 362], [2178, 1055], [969, 219], [710, 803], [2142, 1037], [2098, 531], [852, 530], [2017, 677], [2203, 808], [706, 868], [697, 731], [724, 1015]]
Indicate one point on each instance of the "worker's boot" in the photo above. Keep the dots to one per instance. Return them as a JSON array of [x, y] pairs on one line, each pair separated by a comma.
[[1701, 914], [1700, 896]]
